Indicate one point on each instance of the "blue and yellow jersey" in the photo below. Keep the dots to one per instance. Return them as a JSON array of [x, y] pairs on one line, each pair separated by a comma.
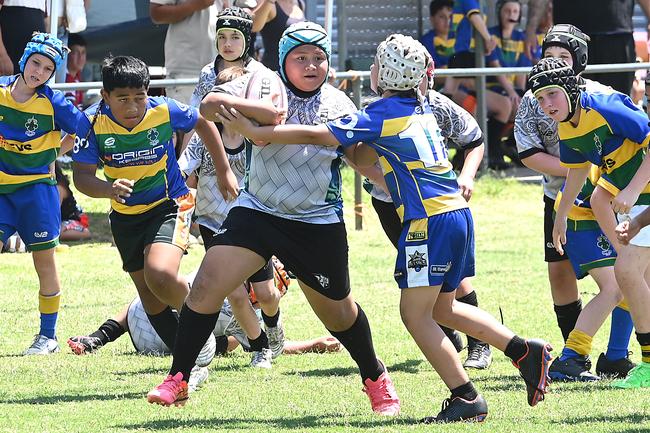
[[509, 52], [441, 49], [461, 27], [30, 134], [411, 151], [144, 154], [613, 134], [581, 216]]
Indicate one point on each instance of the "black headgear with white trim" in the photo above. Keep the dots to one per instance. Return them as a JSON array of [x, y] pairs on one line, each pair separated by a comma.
[[237, 19], [552, 72], [573, 40]]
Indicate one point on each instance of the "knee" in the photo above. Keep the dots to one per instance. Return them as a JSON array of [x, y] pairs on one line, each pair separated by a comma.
[[561, 276], [266, 293], [159, 279]]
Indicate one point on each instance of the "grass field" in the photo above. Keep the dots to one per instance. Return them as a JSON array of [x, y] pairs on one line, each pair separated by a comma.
[[105, 392]]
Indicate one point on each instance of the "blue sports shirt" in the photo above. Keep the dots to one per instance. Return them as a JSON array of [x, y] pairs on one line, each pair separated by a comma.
[[411, 151]]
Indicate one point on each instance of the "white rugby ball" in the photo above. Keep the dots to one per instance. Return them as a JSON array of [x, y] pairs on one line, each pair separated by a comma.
[[145, 339], [266, 84]]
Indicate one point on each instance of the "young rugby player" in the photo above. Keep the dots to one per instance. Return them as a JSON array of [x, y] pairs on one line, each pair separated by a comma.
[[436, 246], [33, 116]]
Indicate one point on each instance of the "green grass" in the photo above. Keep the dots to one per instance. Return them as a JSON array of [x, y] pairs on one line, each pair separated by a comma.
[[307, 393]]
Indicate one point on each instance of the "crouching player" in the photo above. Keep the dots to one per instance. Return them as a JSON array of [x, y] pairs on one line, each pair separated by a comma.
[[436, 246]]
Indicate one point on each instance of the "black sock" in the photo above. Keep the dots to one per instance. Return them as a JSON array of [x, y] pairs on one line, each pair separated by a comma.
[[259, 343], [222, 345], [271, 321], [466, 392], [516, 348], [109, 331], [193, 331], [471, 299], [358, 341], [644, 342], [165, 324], [567, 316]]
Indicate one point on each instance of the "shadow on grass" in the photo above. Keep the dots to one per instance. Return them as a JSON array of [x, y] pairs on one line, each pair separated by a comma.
[[410, 366], [630, 418], [68, 398], [284, 422], [500, 383]]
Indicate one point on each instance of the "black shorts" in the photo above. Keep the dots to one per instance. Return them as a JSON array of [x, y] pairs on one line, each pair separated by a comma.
[[169, 223], [550, 253], [264, 274], [465, 59], [316, 253], [389, 219]]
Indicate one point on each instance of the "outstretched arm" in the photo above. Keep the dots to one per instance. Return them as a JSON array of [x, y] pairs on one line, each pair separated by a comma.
[[279, 134], [263, 112]]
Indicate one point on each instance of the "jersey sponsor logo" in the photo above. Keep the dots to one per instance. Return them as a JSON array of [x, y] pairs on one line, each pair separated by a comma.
[[439, 269], [605, 247], [152, 136], [40, 234], [607, 164], [323, 280], [417, 261], [139, 157], [31, 125], [109, 142], [18, 146], [416, 236]]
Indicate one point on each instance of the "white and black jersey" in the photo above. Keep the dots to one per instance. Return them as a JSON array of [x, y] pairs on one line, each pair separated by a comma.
[[208, 78], [211, 208], [536, 132], [296, 182]]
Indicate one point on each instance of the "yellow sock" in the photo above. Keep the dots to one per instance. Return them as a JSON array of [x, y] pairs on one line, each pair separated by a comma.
[[579, 342], [624, 305], [49, 304]]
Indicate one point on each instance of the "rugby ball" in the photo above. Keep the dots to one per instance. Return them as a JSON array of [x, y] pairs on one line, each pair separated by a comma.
[[145, 339], [266, 84]]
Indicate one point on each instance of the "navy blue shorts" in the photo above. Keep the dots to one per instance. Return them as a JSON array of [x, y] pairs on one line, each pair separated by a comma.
[[436, 251], [588, 249], [34, 212]]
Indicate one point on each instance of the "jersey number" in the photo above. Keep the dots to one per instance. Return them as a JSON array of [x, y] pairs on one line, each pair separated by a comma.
[[428, 141]]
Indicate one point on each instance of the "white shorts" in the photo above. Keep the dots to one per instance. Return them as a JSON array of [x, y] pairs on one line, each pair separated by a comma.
[[642, 239]]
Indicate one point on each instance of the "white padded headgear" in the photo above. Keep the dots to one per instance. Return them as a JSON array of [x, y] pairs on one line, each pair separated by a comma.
[[402, 63]]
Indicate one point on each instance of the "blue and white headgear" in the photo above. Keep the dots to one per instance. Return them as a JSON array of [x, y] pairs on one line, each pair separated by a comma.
[[302, 33], [47, 45]]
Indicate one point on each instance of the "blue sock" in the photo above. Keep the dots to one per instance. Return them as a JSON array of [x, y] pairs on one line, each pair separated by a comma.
[[48, 324], [619, 335], [568, 353]]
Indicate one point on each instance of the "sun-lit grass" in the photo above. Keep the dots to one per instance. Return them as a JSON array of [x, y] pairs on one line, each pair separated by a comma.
[[306, 393]]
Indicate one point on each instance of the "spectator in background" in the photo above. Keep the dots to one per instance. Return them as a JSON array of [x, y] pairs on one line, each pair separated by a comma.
[[436, 40], [271, 18], [18, 20], [74, 222], [76, 63], [607, 22], [190, 39]]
